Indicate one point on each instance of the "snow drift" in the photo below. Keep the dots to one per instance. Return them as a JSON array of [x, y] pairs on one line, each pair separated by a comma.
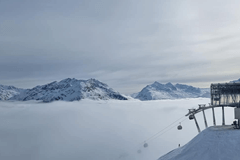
[[214, 143]]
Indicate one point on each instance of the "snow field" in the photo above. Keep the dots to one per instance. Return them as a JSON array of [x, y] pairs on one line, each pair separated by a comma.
[[220, 143]]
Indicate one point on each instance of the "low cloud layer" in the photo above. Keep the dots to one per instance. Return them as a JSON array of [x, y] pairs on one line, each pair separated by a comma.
[[92, 130]]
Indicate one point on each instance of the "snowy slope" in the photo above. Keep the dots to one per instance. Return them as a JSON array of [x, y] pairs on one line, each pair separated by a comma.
[[6, 92], [69, 90], [133, 95], [214, 143], [158, 91], [235, 81]]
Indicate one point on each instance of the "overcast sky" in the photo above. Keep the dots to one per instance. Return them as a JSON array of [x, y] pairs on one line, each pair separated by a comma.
[[124, 43]]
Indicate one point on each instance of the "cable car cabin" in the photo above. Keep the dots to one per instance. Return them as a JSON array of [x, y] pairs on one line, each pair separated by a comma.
[[191, 117], [145, 145], [179, 127]]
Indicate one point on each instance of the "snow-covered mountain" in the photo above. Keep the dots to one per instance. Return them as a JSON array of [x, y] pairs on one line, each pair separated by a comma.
[[67, 90], [235, 81], [214, 143], [158, 91], [6, 92], [133, 95]]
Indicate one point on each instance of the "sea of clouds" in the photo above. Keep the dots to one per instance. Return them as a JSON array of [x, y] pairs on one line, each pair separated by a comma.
[[97, 130]]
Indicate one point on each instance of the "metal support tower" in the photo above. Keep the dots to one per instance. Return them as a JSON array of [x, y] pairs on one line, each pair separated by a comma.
[[214, 120], [223, 116], [205, 120], [196, 124]]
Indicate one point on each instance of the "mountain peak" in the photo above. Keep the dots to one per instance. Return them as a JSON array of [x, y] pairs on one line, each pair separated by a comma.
[[92, 80], [7, 92], [67, 80], [169, 84], [157, 91], [156, 83], [69, 89]]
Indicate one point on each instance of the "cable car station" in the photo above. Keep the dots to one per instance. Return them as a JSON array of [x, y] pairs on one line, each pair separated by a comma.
[[222, 95]]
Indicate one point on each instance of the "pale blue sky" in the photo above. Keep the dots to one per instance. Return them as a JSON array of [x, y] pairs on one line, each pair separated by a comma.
[[126, 44]]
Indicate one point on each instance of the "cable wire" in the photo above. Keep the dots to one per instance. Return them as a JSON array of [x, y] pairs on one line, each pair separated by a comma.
[[166, 130], [156, 134]]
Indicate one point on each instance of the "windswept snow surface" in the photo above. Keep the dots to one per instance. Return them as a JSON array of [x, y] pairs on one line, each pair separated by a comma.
[[214, 143], [96, 130]]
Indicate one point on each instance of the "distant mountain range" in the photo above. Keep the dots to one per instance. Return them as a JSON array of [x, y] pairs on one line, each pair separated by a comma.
[[235, 81], [66, 90], [7, 92], [158, 91], [71, 89]]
